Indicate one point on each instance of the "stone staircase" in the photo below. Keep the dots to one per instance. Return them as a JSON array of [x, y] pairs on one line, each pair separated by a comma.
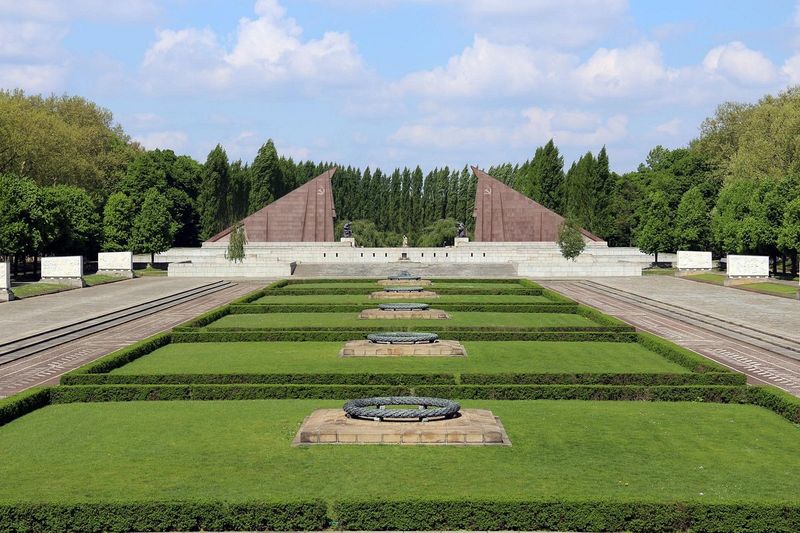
[[425, 270]]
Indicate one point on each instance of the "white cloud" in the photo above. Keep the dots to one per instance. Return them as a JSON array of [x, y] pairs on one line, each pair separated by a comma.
[[671, 127], [59, 10], [569, 128], [32, 78], [623, 71], [268, 50], [176, 140], [447, 137], [739, 63], [791, 69]]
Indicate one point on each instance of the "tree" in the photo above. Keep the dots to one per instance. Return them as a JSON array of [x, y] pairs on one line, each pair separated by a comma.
[[266, 177], [214, 193], [118, 216], [655, 231], [24, 218], [440, 233], [542, 178], [570, 241], [236, 243], [692, 222], [74, 221], [153, 228], [579, 192], [789, 237]]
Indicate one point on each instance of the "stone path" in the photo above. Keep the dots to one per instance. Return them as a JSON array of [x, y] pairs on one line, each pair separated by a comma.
[[694, 316], [47, 367]]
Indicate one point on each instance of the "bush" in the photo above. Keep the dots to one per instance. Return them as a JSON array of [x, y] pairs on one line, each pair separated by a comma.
[[248, 309], [722, 378], [23, 403], [679, 355], [471, 515], [776, 400], [121, 357], [437, 289], [164, 516], [284, 379]]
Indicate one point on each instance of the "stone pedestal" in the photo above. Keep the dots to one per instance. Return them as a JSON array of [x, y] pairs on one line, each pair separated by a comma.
[[351, 240], [440, 348], [460, 241], [435, 314], [63, 270], [383, 295], [6, 294], [115, 264], [748, 266], [475, 427], [404, 282]]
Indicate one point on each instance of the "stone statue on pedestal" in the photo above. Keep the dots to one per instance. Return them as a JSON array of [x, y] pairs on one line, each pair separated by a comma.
[[347, 231], [462, 230], [405, 241]]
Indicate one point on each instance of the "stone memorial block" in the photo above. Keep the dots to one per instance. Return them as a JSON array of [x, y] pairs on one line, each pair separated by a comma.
[[120, 263], [748, 266], [66, 270], [694, 260], [5, 283]]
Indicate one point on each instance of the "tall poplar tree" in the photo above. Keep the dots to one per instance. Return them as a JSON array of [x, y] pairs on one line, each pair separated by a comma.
[[266, 183], [214, 193]]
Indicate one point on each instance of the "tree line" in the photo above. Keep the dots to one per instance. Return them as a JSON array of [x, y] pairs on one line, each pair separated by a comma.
[[73, 182]]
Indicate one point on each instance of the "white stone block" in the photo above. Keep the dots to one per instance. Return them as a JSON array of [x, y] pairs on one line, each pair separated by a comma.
[[62, 267], [750, 266], [350, 240], [694, 260], [5, 276], [115, 261], [460, 241]]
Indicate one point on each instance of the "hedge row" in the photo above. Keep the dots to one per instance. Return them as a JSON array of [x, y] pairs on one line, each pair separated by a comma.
[[435, 328], [163, 516], [23, 403], [347, 335], [426, 514], [542, 307], [510, 281], [521, 291], [601, 318], [709, 378], [123, 356], [285, 379], [677, 354]]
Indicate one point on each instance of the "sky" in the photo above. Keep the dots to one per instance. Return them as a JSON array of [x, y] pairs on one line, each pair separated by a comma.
[[393, 83]]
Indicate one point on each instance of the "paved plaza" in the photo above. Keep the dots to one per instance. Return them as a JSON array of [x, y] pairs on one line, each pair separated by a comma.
[[752, 333]]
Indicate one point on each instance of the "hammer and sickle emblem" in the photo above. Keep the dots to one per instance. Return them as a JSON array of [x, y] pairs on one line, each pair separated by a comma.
[[320, 191], [487, 190]]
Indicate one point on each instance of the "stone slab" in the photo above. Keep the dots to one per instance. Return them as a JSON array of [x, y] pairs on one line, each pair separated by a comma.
[[689, 260], [6, 294], [749, 266], [475, 427], [432, 314], [121, 261], [62, 267], [383, 295], [440, 348], [404, 282]]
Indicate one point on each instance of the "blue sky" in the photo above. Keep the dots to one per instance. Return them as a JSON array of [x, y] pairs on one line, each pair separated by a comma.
[[403, 82]]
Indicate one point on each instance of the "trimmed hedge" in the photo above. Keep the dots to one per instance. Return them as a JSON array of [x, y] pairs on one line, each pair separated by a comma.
[[23, 403], [710, 378], [347, 335], [121, 357], [284, 379], [436, 328], [776, 400], [678, 354], [438, 290], [601, 318], [542, 307], [454, 515], [90, 517]]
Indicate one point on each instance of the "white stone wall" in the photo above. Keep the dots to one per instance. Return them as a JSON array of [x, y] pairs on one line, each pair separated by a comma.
[[62, 267], [115, 261], [694, 260], [5, 276], [751, 266]]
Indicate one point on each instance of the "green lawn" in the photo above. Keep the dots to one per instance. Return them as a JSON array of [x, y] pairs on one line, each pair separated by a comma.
[[38, 289], [658, 271], [351, 320], [240, 450], [717, 279], [322, 357], [365, 299], [100, 279], [149, 272], [772, 288]]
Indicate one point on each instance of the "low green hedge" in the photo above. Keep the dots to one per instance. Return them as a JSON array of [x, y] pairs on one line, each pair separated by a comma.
[[347, 335], [776, 400], [285, 379], [123, 356], [431, 514], [710, 378], [543, 307], [557, 297], [435, 328], [23, 403], [163, 516], [678, 354], [521, 291], [601, 318]]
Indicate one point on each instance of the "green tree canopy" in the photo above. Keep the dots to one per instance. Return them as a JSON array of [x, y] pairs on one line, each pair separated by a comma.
[[267, 183], [570, 240], [692, 222], [24, 217], [74, 220], [118, 216], [212, 202], [153, 227], [654, 233]]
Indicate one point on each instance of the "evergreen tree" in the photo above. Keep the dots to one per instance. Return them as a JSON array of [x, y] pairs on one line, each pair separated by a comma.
[[405, 201], [603, 190], [452, 197], [655, 231], [692, 222], [118, 215], [153, 228], [549, 166], [579, 188], [395, 209], [239, 177], [266, 178], [416, 219], [214, 193]]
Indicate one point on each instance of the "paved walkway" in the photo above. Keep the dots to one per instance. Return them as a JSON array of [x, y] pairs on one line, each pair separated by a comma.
[[29, 316], [47, 367], [705, 318]]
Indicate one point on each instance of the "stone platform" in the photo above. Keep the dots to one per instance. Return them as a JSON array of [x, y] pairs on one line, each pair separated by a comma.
[[475, 427], [383, 295], [404, 282], [436, 314], [440, 348]]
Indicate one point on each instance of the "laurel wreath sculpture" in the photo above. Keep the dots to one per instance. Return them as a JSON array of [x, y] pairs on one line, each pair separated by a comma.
[[403, 337], [404, 276], [375, 408], [403, 289], [403, 307]]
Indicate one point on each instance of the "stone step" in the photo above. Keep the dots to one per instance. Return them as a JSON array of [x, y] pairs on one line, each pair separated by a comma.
[[425, 270]]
